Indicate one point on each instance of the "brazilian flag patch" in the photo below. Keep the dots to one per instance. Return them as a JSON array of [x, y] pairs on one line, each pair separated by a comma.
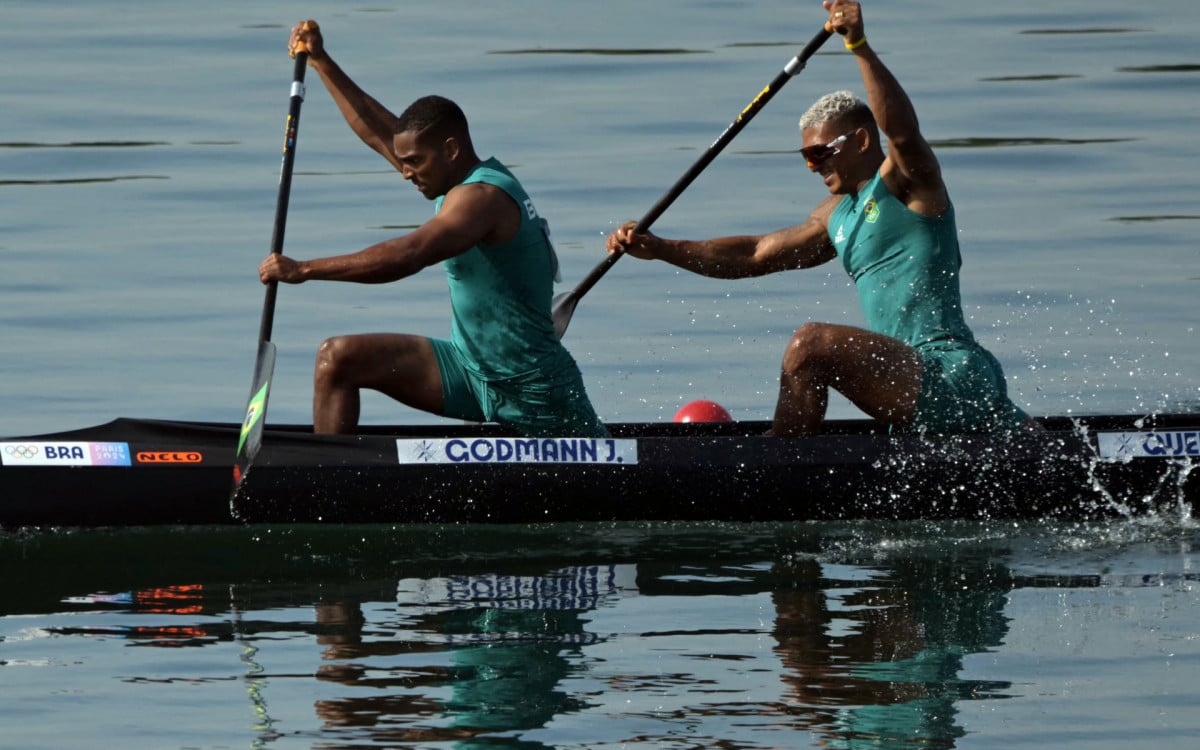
[[871, 211]]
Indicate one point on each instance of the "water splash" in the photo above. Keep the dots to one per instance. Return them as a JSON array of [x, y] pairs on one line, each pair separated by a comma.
[[1166, 502]]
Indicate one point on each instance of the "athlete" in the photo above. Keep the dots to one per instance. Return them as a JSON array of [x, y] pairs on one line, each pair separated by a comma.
[[890, 220], [503, 361]]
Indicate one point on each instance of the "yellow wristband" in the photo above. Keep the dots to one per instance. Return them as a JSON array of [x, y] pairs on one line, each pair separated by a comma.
[[855, 45]]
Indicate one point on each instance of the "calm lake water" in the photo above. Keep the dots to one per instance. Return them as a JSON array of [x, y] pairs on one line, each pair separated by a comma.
[[139, 164], [603, 636]]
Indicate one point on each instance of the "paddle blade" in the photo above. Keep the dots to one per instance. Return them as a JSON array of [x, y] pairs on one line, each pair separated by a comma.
[[250, 439], [562, 310]]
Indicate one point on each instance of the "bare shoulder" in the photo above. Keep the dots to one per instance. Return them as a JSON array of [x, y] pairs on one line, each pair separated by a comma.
[[490, 212], [473, 192]]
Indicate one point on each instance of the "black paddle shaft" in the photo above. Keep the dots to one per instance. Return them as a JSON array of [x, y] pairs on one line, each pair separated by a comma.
[[795, 65], [264, 363], [285, 187]]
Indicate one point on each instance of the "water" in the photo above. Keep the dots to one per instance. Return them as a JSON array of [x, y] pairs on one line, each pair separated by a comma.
[[139, 165], [603, 636], [139, 160]]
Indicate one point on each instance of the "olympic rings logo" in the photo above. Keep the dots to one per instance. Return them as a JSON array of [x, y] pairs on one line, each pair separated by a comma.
[[22, 451]]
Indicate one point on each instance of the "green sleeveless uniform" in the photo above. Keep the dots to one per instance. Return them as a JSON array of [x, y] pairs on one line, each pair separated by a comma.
[[504, 361], [905, 267]]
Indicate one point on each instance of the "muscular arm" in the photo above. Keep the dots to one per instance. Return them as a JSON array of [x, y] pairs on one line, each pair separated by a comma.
[[911, 169], [471, 214], [801, 246], [370, 120]]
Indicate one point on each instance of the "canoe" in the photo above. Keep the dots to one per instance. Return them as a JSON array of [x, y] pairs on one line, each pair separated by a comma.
[[148, 472]]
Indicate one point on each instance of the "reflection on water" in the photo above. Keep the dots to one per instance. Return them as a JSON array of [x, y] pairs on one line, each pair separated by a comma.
[[1097, 30], [481, 655], [982, 142], [84, 144], [1038, 77], [1187, 68], [1162, 217], [889, 673], [87, 180], [598, 51], [772, 635]]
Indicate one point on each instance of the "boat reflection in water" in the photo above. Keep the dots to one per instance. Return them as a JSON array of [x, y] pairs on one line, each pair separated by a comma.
[[859, 654], [485, 658], [890, 671], [600, 635]]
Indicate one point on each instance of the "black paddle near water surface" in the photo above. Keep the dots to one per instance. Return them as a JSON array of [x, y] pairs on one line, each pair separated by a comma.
[[565, 303], [250, 439]]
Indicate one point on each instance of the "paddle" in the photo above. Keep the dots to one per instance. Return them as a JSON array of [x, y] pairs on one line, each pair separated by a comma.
[[564, 304], [264, 366]]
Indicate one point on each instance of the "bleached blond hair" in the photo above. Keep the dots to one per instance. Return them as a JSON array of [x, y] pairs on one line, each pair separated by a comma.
[[840, 106]]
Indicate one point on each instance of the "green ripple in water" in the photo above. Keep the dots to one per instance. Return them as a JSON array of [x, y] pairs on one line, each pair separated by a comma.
[[85, 180], [1158, 217], [1182, 68], [1041, 77], [1091, 30], [599, 51], [83, 144], [975, 142]]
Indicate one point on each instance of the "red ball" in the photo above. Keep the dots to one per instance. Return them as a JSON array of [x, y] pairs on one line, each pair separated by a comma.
[[702, 411]]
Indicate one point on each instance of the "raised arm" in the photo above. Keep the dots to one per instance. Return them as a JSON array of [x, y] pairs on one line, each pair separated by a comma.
[[801, 246], [369, 119], [911, 169]]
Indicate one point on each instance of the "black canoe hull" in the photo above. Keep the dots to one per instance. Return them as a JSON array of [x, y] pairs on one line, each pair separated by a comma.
[[181, 473]]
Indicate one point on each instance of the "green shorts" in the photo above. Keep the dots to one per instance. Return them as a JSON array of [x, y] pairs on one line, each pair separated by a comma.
[[538, 404], [963, 390]]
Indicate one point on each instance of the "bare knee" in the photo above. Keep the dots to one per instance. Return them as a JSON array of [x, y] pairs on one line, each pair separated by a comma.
[[332, 356], [809, 348]]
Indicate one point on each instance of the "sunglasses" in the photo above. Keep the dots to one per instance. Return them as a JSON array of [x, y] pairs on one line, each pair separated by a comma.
[[816, 155]]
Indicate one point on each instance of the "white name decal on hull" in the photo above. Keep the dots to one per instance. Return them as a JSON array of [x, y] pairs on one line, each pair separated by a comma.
[[1164, 444], [64, 454], [516, 451]]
